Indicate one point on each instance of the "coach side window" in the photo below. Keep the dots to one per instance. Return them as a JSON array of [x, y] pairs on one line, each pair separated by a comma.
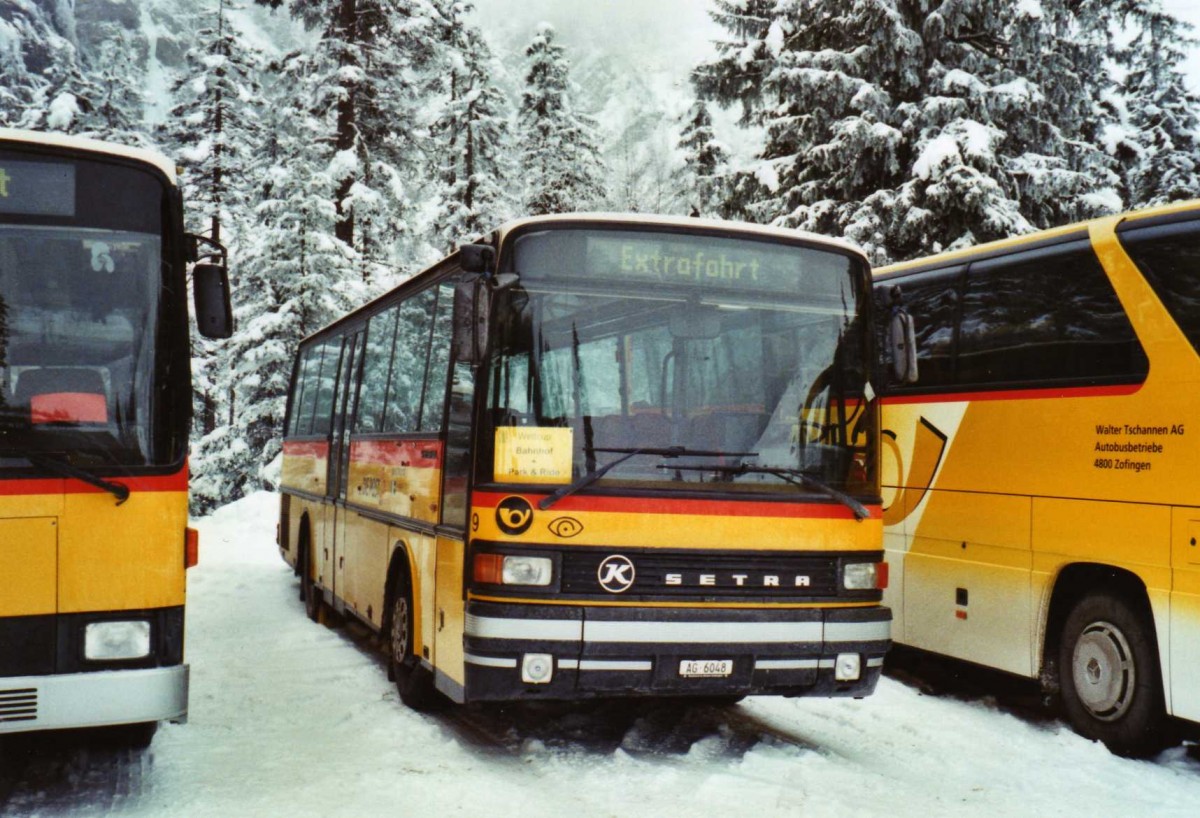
[[1169, 257], [409, 360], [434, 403], [1045, 315], [327, 377], [304, 397], [930, 301], [377, 365]]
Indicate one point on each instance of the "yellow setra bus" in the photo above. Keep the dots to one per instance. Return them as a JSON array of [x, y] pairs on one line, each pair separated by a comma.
[[1041, 438], [600, 456], [95, 401]]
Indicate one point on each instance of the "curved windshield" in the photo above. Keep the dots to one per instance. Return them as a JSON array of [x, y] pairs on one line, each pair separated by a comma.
[[79, 307], [620, 346]]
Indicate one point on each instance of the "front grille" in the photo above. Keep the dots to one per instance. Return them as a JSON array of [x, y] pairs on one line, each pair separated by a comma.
[[19, 704], [692, 574]]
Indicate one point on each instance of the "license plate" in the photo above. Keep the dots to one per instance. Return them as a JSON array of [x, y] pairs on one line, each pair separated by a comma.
[[705, 668]]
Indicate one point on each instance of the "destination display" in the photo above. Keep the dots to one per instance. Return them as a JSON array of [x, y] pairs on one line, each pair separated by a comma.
[[37, 188], [683, 260]]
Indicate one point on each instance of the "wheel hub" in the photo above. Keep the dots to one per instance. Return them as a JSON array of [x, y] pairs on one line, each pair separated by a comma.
[[1103, 671]]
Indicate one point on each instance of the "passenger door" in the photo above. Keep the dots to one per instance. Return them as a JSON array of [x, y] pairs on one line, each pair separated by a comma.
[[339, 457]]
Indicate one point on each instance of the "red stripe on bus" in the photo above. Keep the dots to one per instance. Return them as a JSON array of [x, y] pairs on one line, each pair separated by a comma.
[[1123, 390], [55, 485], [421, 454], [710, 508], [306, 448]]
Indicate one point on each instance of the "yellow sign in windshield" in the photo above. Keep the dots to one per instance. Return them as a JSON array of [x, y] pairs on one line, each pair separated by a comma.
[[533, 454]]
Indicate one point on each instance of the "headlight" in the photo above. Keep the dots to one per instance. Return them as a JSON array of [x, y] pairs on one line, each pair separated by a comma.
[[103, 641], [860, 576], [509, 569]]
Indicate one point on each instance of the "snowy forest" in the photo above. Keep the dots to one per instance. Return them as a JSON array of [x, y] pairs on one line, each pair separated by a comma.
[[339, 146]]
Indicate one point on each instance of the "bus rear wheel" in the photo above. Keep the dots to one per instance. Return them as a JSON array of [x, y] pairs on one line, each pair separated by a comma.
[[309, 592], [1110, 678], [414, 682]]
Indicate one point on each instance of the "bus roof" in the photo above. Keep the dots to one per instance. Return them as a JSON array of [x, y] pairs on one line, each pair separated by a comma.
[[77, 143], [1027, 240], [645, 220], [585, 219]]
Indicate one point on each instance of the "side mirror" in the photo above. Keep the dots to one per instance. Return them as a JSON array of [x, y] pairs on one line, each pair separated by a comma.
[[470, 321], [477, 258], [210, 289]]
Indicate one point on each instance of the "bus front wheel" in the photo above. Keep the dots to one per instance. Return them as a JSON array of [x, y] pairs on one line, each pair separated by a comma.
[[414, 682], [309, 592], [1110, 678]]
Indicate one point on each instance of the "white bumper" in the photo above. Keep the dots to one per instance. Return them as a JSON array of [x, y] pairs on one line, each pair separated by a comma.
[[93, 699]]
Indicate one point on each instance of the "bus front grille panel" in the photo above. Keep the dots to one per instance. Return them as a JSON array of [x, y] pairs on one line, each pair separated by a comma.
[[18, 704], [690, 574]]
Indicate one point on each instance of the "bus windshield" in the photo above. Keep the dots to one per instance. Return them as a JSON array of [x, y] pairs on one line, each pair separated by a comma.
[[80, 283], [745, 358]]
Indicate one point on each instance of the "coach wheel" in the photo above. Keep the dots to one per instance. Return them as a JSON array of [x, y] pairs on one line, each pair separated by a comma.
[[1111, 683], [414, 682], [309, 592]]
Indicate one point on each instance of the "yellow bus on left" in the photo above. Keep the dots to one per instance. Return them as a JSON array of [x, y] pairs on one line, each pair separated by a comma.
[[95, 404]]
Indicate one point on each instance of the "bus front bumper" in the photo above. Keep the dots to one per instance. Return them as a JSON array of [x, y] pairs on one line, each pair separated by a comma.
[[604, 651], [99, 699]]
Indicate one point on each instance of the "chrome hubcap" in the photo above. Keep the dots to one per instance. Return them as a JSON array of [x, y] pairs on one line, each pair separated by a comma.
[[1103, 670]]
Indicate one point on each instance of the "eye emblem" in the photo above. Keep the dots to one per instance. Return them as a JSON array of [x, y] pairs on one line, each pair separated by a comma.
[[565, 527]]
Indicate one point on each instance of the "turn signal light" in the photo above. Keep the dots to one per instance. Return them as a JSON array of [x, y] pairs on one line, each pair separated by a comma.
[[489, 568], [191, 548]]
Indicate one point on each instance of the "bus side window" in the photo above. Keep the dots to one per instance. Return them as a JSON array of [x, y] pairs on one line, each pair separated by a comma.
[[434, 403], [1046, 315], [1169, 256], [377, 365], [930, 300], [409, 359]]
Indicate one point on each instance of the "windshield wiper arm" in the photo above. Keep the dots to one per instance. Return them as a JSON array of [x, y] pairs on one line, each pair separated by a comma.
[[662, 451], [66, 469], [794, 476]]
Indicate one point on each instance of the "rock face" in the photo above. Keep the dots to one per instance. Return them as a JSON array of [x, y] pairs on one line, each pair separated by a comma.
[[99, 20]]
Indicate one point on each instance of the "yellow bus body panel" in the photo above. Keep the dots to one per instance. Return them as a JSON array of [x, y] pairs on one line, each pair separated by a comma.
[[995, 495]]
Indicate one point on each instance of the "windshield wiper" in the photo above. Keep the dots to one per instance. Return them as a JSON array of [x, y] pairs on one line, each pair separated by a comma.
[[794, 476], [662, 451], [67, 469]]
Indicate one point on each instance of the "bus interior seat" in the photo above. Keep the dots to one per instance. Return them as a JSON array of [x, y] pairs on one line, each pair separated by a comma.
[[61, 394]]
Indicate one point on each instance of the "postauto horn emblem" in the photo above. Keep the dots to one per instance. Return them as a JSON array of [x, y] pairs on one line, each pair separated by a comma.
[[616, 574], [514, 515]]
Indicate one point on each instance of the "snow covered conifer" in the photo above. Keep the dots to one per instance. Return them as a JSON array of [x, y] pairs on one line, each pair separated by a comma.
[[1163, 115], [560, 158], [705, 160], [902, 124], [472, 137]]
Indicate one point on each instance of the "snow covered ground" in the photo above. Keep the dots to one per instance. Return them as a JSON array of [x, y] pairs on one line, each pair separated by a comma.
[[291, 718]]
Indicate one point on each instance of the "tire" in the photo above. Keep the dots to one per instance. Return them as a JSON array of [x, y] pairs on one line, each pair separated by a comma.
[[414, 682], [131, 736], [309, 592], [1110, 677]]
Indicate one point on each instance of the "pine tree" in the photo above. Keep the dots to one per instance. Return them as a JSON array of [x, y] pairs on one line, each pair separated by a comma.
[[1163, 115], [908, 125], [474, 134], [380, 60], [294, 276], [705, 163], [560, 158]]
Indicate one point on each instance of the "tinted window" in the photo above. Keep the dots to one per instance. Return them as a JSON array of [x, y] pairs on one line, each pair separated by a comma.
[[377, 365], [1045, 315], [409, 360], [326, 381], [439, 361], [1169, 256], [931, 299]]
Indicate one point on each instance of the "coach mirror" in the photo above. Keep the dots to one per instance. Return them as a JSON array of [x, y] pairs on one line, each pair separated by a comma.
[[210, 289]]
